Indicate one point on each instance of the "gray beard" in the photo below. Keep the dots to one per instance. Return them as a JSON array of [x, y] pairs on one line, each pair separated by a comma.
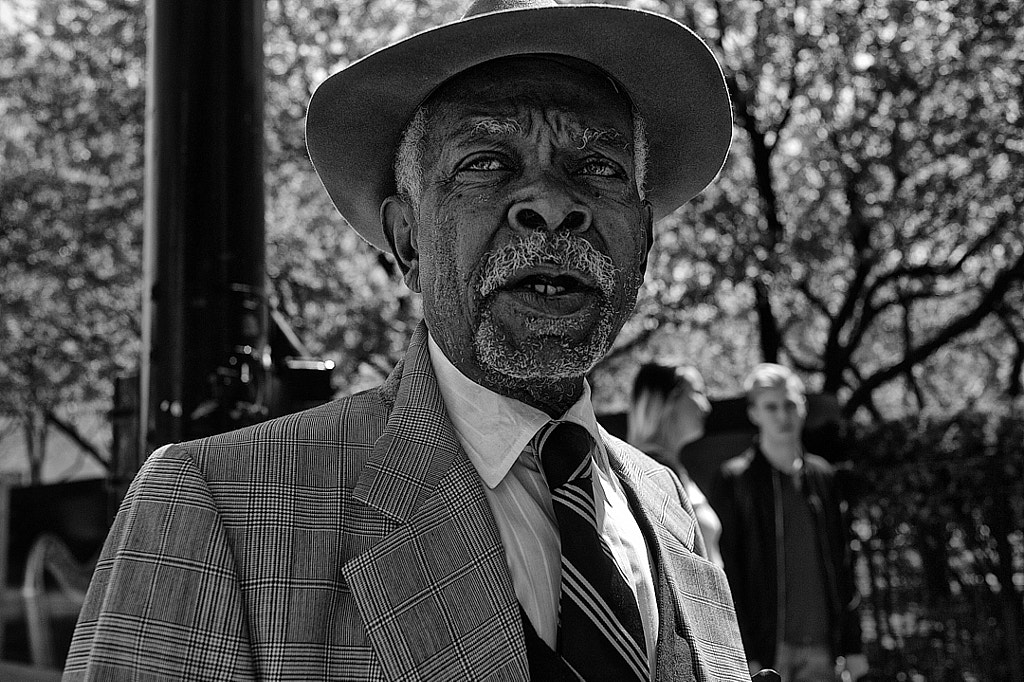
[[497, 355], [552, 355]]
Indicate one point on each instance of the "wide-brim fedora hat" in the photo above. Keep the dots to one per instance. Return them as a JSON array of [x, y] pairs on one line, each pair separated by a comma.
[[356, 117]]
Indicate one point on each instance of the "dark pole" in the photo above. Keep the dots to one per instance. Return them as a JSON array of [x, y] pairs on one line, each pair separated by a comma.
[[204, 312]]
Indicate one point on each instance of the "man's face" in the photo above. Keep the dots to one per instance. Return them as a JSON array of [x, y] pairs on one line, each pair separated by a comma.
[[530, 237], [778, 412]]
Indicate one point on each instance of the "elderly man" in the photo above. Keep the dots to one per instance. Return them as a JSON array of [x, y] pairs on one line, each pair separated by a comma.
[[468, 519]]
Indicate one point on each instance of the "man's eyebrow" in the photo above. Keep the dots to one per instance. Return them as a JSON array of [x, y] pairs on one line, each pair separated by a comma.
[[509, 127], [591, 135], [489, 127]]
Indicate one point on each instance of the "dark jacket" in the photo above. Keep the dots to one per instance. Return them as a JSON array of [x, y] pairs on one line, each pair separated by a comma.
[[746, 495]]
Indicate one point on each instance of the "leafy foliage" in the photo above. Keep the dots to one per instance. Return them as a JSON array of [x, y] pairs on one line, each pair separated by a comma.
[[70, 201], [343, 297], [867, 228]]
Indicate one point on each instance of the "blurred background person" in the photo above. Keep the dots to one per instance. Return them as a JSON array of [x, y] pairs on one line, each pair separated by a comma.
[[786, 542], [667, 412]]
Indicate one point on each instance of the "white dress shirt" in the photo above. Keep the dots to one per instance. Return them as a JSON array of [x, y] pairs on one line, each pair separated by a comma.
[[494, 430]]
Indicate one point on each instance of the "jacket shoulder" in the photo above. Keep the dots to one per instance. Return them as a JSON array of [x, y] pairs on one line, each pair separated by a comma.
[[819, 464], [632, 455], [738, 465], [335, 430], [627, 450]]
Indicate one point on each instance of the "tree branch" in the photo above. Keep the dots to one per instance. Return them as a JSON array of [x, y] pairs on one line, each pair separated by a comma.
[[837, 354], [908, 345], [945, 268], [818, 303], [771, 340], [1016, 386], [69, 430], [989, 303], [791, 93]]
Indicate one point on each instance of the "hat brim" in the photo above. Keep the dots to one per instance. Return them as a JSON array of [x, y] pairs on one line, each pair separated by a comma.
[[356, 116]]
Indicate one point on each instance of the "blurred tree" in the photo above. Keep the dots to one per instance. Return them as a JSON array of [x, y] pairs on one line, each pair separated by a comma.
[[868, 226], [342, 296], [866, 229], [71, 97]]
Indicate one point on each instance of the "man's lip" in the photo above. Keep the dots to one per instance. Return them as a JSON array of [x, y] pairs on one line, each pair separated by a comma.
[[537, 305], [581, 280]]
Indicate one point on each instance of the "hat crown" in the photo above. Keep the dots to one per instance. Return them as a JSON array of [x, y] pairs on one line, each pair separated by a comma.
[[488, 6]]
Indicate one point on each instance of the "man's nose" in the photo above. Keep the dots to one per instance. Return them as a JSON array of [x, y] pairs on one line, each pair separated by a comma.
[[549, 209]]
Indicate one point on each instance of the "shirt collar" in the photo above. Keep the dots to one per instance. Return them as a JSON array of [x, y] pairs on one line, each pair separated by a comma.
[[493, 428]]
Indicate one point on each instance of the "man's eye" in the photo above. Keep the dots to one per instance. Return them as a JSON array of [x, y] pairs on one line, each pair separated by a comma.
[[483, 163], [602, 168]]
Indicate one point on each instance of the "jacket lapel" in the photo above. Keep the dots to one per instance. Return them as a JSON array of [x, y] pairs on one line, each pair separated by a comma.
[[700, 605], [434, 592]]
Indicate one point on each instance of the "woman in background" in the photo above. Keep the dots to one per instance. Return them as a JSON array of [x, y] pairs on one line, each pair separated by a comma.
[[667, 412]]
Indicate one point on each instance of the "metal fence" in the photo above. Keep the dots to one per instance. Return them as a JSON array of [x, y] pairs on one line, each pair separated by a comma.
[[939, 511]]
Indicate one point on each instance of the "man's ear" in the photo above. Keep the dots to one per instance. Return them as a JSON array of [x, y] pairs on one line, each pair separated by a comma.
[[647, 218], [752, 416], [398, 219]]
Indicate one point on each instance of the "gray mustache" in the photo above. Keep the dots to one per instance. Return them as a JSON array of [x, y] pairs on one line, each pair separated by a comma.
[[564, 251]]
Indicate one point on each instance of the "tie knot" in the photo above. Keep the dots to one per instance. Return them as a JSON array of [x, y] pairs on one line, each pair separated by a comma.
[[563, 446]]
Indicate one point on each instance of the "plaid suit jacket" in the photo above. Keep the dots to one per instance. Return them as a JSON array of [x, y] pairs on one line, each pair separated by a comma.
[[352, 541]]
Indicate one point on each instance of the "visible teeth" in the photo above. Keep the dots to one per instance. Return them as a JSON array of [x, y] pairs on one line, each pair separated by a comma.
[[547, 289]]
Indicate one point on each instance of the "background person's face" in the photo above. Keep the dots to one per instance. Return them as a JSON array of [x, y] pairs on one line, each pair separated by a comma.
[[778, 413], [532, 238]]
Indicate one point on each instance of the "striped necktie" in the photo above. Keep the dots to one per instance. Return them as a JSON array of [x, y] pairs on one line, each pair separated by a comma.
[[599, 629]]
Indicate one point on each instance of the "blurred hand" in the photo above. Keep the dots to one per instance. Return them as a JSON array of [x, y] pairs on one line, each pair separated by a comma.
[[857, 666]]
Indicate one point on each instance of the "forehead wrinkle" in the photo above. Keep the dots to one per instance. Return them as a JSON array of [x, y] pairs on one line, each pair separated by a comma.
[[568, 122]]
